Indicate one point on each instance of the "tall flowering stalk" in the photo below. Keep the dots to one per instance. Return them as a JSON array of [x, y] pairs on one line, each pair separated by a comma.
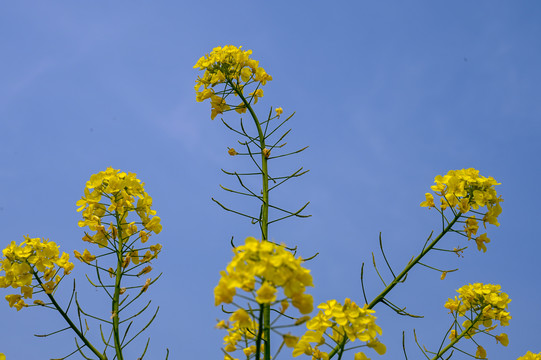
[[117, 212], [230, 73], [114, 206], [461, 192], [466, 198]]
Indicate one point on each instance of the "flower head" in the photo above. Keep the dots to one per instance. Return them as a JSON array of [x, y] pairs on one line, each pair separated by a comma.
[[122, 197], [34, 258], [271, 267], [465, 189], [530, 356], [481, 305], [337, 320], [232, 66]]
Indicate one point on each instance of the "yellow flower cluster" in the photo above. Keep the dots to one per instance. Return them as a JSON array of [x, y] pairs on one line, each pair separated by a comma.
[[481, 304], [530, 356], [232, 66], [240, 328], [120, 191], [23, 263], [267, 266], [347, 320], [260, 268], [464, 190]]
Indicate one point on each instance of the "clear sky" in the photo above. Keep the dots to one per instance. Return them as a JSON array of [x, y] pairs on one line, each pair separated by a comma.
[[387, 94]]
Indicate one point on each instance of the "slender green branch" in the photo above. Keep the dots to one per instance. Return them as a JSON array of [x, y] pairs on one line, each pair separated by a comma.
[[408, 267], [264, 217], [457, 339], [264, 170], [70, 323], [116, 295], [404, 272]]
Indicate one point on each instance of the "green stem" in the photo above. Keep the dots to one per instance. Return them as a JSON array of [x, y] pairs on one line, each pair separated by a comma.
[[264, 219], [116, 295], [404, 272], [258, 340], [457, 339], [414, 262], [264, 170], [70, 323], [342, 345], [266, 330]]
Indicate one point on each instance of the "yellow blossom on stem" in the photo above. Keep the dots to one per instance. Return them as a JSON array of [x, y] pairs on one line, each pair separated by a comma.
[[270, 264], [87, 256], [289, 340], [153, 225], [471, 227], [530, 356], [241, 317], [146, 285], [481, 240], [480, 353], [360, 356], [481, 305], [34, 259], [266, 294], [350, 320], [429, 202], [503, 339], [232, 66], [256, 95], [144, 236], [145, 270], [464, 190]]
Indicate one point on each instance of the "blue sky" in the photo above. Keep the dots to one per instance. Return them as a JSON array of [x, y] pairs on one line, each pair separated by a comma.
[[387, 95]]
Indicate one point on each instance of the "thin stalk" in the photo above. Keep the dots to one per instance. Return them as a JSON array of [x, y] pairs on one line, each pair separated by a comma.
[[70, 323], [404, 272], [414, 262], [116, 295], [457, 339], [264, 221], [264, 168]]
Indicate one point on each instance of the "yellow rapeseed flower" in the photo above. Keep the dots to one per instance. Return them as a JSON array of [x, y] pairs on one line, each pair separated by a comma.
[[530, 356], [480, 353], [232, 66], [357, 323], [270, 265], [484, 304], [33, 258]]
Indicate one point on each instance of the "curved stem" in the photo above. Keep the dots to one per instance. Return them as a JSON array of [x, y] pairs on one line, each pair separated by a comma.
[[116, 296], [414, 262], [264, 217], [341, 346], [264, 169], [70, 323], [404, 272], [457, 339]]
